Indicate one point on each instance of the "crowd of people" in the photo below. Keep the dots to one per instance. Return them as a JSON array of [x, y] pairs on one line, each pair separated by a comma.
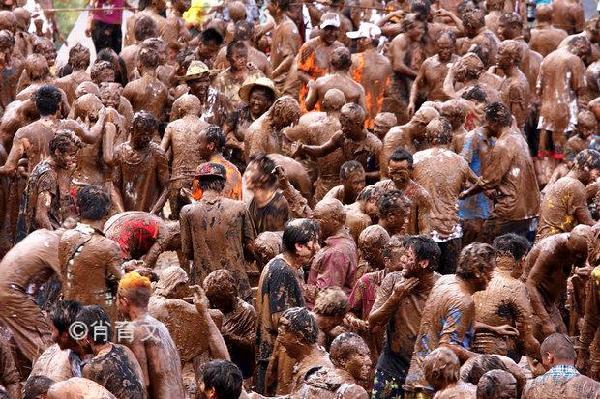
[[332, 199]]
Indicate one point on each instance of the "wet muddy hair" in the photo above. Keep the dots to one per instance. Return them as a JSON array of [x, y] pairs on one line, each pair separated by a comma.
[[211, 35], [98, 67], [512, 19], [481, 365], [92, 202], [474, 258], [421, 8], [560, 346], [392, 203], [79, 56], [7, 39], [243, 30], [344, 346], [63, 140], [494, 382], [473, 18], [303, 323], [425, 249], [441, 367], [219, 283], [299, 231], [224, 377], [475, 93], [235, 46], [94, 316], [144, 28], [148, 57], [589, 159], [146, 121], [400, 154], [47, 100], [498, 113], [214, 183], [512, 245], [369, 192], [284, 5], [214, 134], [265, 166], [395, 241], [63, 314], [439, 131], [332, 301], [36, 386], [341, 59], [350, 167]]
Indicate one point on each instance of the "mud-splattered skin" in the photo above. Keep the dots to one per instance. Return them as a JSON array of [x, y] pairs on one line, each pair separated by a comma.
[[25, 268], [78, 388], [158, 357], [88, 260], [588, 349], [116, 368], [182, 139], [514, 90], [139, 192], [505, 301], [547, 267], [568, 15], [11, 67], [564, 206], [147, 93], [545, 37]]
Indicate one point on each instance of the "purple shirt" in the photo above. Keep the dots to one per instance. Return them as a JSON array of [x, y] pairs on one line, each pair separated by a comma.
[[109, 15], [335, 264]]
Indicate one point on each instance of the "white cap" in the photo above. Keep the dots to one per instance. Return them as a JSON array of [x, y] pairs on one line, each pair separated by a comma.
[[366, 30], [330, 19]]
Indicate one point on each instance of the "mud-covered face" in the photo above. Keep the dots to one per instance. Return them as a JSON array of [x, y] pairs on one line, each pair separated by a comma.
[[199, 87], [355, 183], [445, 48], [504, 58], [238, 60], [359, 363], [140, 138], [110, 97], [399, 172], [416, 31], [329, 34], [259, 102], [66, 159]]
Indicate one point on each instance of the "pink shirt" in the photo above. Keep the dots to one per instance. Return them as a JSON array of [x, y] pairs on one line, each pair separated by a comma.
[[109, 15]]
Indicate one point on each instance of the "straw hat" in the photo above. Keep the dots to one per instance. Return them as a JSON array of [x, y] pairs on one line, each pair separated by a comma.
[[252, 82], [196, 70]]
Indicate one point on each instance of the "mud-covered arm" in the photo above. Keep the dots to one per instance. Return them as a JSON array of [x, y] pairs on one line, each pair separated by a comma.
[[537, 275], [385, 304], [591, 321], [44, 201], [163, 181], [108, 143], [216, 343], [187, 247], [16, 152], [117, 178], [499, 162], [316, 151], [297, 204]]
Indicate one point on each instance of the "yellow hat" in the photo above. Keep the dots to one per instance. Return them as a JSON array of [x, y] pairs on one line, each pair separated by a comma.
[[196, 70], [252, 82]]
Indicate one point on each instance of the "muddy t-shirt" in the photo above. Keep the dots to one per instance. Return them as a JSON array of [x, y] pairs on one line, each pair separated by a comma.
[[118, 372], [272, 216]]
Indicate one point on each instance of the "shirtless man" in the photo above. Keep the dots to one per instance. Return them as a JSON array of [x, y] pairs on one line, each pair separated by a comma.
[[285, 41], [558, 96], [86, 245], [455, 111], [145, 28], [429, 80], [155, 9], [382, 124], [239, 319], [147, 93], [181, 139], [400, 171], [32, 140], [352, 177], [371, 69], [450, 297], [134, 191], [143, 236], [393, 210], [442, 372], [506, 291], [476, 33], [565, 202], [545, 37], [28, 265], [11, 67], [111, 365], [349, 355], [47, 200], [406, 55], [443, 174], [511, 28], [314, 57], [363, 212], [466, 73], [148, 339], [265, 135], [407, 136], [568, 15], [547, 268], [76, 72], [514, 90], [520, 197], [338, 77], [36, 73]]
